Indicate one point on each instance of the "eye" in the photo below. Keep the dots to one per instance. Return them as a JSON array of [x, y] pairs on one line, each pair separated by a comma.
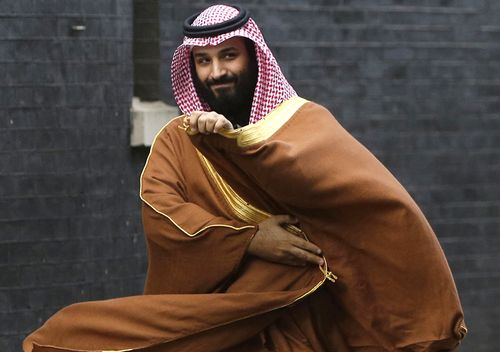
[[230, 55], [202, 60]]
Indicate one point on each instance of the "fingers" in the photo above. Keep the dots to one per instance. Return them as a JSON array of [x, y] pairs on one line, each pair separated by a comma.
[[208, 122], [192, 119], [222, 124], [295, 240], [306, 245], [272, 242], [305, 251], [306, 257], [298, 241]]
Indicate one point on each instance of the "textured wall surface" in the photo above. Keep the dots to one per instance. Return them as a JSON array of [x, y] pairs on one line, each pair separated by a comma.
[[146, 49], [416, 81], [69, 223]]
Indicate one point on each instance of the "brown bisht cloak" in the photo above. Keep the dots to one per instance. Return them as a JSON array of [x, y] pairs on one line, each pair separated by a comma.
[[395, 290], [201, 293]]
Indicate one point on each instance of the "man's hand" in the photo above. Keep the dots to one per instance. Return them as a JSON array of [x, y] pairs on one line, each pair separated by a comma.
[[208, 122], [272, 242]]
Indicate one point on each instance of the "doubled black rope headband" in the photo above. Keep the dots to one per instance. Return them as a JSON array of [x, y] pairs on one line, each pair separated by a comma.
[[218, 28]]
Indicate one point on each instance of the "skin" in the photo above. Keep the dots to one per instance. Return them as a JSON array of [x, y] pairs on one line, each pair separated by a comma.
[[273, 243], [214, 66], [230, 59]]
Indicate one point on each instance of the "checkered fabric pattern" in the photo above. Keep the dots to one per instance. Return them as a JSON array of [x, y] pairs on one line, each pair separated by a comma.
[[272, 87]]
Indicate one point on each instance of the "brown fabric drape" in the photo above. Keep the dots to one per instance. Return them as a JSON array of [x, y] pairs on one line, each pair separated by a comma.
[[201, 292], [395, 291]]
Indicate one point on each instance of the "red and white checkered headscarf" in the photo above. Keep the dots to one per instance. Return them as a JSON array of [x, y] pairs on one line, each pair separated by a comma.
[[272, 87]]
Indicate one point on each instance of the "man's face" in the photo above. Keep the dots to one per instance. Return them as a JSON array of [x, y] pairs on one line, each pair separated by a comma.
[[226, 77]]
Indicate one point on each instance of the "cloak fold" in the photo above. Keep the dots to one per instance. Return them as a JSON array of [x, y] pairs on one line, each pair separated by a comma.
[[202, 293], [201, 208], [395, 289]]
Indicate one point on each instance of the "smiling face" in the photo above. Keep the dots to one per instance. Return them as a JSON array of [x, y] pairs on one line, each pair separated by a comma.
[[226, 75]]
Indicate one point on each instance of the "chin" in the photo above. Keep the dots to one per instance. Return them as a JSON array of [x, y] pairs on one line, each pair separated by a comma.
[[224, 97]]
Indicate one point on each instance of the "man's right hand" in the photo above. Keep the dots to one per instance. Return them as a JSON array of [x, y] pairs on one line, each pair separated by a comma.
[[272, 242], [207, 122]]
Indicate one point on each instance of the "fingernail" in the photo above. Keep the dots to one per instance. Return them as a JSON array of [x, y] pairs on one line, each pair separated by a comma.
[[321, 262]]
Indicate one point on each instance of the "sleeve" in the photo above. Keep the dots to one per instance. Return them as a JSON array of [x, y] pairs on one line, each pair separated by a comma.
[[194, 244]]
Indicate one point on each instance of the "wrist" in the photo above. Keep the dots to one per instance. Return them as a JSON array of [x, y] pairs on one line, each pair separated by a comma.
[[249, 249]]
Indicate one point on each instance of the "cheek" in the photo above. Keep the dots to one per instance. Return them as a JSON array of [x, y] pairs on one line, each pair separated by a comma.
[[201, 73], [240, 68]]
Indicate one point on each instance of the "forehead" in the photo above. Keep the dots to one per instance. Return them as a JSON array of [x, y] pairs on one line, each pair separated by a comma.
[[237, 43]]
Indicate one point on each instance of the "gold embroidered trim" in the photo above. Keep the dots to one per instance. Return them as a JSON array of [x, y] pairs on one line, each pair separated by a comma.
[[270, 124], [264, 128], [242, 209], [312, 290], [249, 213], [70, 349]]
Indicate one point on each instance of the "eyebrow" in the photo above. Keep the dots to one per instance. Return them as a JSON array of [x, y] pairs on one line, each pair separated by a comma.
[[223, 51]]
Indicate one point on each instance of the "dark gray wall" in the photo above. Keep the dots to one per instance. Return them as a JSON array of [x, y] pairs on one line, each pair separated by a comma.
[[69, 223], [146, 49], [415, 81]]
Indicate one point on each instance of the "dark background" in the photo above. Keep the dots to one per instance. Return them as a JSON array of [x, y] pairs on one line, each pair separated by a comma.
[[418, 82]]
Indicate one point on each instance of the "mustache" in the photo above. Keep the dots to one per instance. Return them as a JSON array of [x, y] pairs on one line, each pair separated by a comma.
[[221, 80]]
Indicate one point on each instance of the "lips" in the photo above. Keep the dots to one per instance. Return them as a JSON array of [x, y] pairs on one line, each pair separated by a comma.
[[222, 82], [221, 85]]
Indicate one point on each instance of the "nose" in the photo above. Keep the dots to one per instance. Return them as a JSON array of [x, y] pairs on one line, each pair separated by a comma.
[[218, 70]]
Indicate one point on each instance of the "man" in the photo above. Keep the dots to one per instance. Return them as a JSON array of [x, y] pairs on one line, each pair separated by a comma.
[[225, 274], [225, 78]]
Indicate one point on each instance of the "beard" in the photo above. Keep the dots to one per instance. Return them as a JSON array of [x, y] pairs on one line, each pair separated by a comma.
[[233, 101]]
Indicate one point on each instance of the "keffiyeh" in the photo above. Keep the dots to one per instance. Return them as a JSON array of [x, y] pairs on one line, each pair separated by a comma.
[[272, 87]]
